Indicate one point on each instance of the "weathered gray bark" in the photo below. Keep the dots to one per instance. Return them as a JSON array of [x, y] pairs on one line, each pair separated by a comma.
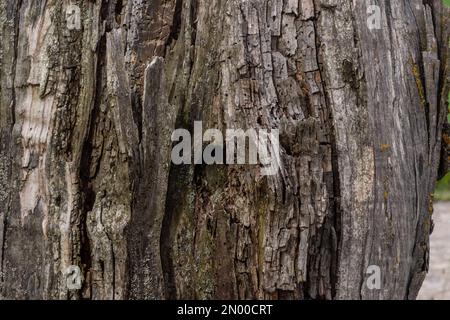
[[85, 172]]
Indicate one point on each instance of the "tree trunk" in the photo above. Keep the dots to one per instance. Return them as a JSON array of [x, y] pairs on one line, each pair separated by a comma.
[[86, 116]]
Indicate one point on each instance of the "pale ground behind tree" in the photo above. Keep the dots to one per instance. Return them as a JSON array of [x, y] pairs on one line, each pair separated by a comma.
[[437, 282]]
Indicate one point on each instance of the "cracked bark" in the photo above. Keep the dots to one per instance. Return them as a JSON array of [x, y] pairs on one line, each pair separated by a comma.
[[86, 118]]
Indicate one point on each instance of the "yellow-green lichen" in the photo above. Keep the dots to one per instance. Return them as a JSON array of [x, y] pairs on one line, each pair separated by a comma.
[[205, 268], [384, 147], [420, 87]]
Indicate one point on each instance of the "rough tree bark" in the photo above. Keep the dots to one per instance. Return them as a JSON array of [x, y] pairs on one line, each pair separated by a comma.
[[86, 118]]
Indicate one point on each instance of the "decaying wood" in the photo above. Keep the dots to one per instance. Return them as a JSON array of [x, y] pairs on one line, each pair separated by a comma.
[[86, 118]]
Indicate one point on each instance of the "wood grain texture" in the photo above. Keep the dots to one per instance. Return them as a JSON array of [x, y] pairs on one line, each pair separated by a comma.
[[86, 118]]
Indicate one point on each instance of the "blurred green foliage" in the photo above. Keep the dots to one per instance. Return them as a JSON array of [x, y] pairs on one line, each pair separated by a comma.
[[442, 192]]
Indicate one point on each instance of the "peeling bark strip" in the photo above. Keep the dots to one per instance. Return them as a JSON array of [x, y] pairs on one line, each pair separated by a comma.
[[86, 116]]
